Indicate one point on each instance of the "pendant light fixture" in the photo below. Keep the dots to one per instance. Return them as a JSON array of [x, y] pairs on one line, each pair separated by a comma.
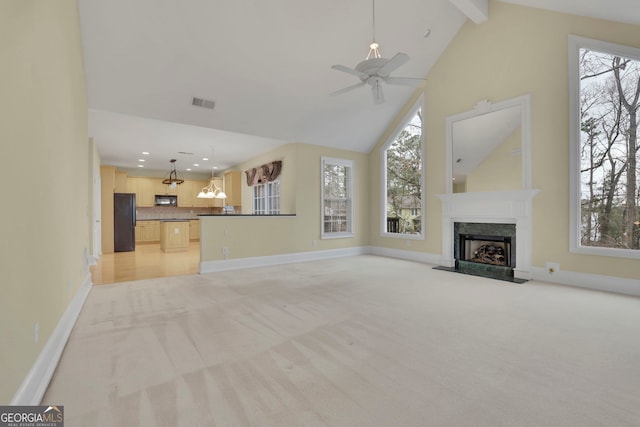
[[173, 179], [211, 191]]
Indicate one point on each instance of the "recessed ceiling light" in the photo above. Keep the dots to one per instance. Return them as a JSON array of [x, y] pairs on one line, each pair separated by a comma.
[[196, 165], [140, 166], [215, 167], [188, 169], [146, 153], [205, 159], [141, 160]]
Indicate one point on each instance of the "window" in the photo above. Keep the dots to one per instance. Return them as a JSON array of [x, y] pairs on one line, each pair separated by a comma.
[[402, 211], [266, 198], [605, 106], [337, 198]]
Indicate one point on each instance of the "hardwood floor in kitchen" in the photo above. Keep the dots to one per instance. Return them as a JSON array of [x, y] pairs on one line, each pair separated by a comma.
[[146, 262]]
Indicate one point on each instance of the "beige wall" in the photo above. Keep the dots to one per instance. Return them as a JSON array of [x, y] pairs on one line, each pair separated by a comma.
[[517, 51], [45, 154], [300, 185]]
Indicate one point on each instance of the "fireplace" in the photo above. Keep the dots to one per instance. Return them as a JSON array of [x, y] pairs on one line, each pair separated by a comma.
[[512, 208], [485, 249]]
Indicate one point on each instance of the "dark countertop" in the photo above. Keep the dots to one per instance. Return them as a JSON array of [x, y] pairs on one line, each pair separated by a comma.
[[166, 219], [246, 215]]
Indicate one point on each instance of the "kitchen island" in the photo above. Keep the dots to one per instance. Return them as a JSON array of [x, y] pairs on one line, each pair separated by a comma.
[[174, 235]]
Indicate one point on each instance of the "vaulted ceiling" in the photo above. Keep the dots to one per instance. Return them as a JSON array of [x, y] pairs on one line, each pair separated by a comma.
[[267, 67]]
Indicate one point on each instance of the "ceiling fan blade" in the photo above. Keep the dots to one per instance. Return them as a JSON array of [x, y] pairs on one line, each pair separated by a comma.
[[404, 81], [395, 62], [350, 71], [347, 89], [378, 95]]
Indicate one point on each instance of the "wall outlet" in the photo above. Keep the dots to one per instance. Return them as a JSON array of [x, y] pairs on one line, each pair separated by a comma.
[[552, 267], [225, 252], [36, 332]]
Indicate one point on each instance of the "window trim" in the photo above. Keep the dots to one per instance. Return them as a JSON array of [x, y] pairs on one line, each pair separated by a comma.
[[575, 44], [266, 197], [339, 162], [383, 175]]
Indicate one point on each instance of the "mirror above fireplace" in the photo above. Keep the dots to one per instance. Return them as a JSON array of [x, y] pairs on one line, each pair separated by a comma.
[[488, 148]]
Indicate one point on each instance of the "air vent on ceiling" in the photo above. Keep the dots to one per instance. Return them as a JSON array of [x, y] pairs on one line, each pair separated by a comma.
[[204, 103]]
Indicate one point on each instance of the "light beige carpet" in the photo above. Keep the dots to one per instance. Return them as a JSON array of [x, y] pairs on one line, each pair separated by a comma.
[[358, 341]]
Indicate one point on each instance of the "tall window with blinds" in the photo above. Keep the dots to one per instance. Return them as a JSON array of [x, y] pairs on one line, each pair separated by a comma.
[[337, 198]]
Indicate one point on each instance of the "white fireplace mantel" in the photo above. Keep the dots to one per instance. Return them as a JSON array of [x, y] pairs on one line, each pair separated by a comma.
[[506, 207]]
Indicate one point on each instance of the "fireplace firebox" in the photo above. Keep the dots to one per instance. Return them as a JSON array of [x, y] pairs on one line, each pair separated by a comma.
[[485, 249]]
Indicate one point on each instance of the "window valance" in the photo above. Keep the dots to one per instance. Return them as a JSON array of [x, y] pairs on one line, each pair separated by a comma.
[[265, 173]]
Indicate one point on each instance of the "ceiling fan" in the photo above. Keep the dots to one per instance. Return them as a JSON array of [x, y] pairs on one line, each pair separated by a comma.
[[375, 70]]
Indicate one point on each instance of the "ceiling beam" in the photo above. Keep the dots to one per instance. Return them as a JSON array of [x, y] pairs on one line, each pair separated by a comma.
[[476, 10]]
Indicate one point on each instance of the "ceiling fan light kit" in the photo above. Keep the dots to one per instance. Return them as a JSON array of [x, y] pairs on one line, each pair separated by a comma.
[[375, 70]]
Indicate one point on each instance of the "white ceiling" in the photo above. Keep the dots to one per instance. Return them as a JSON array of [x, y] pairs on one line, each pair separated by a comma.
[[266, 64]]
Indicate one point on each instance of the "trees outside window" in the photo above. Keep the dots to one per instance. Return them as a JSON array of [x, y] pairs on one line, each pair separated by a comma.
[[608, 147], [337, 198], [402, 158]]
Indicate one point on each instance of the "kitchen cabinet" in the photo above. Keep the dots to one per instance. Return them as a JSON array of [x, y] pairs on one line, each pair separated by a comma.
[[147, 231], [143, 188], [185, 194], [194, 229], [146, 189], [174, 236], [217, 203], [232, 188], [160, 188], [121, 182]]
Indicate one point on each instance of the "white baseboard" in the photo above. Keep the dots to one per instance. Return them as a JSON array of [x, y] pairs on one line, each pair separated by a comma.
[[266, 261], [589, 281], [37, 380], [422, 257]]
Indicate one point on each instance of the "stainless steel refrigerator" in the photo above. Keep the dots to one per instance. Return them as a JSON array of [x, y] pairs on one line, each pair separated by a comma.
[[124, 222]]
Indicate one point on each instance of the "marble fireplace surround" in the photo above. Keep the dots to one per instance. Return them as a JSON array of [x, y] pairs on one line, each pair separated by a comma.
[[506, 207]]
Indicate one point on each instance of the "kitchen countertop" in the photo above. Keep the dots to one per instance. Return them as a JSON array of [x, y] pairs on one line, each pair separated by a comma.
[[254, 215], [167, 219]]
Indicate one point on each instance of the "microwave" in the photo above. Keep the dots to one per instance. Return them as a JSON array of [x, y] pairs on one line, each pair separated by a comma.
[[166, 200]]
